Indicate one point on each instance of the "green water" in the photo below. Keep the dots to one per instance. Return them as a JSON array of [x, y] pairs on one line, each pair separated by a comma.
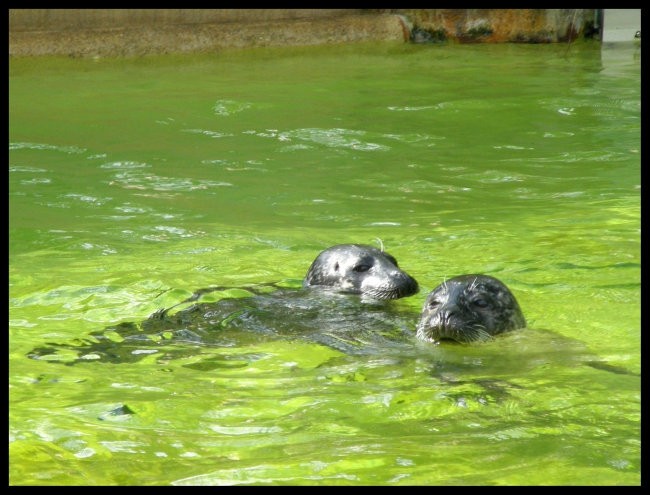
[[133, 183]]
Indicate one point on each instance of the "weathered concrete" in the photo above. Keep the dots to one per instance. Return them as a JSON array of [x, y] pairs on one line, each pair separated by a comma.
[[502, 25], [621, 25], [134, 32], [124, 32], [75, 19]]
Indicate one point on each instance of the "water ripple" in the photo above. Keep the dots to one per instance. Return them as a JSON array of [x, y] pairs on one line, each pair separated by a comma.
[[494, 176], [88, 199], [412, 138], [600, 105], [36, 181], [410, 109], [43, 146], [104, 249], [244, 430], [127, 208], [18, 168], [124, 165], [577, 156], [231, 166], [205, 132], [511, 147], [142, 181], [164, 232], [121, 446], [229, 107], [332, 138]]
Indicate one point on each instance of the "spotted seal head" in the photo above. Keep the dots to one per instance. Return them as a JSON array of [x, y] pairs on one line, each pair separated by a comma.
[[469, 308], [360, 269]]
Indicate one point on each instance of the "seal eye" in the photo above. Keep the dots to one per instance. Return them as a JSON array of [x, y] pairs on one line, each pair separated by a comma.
[[481, 303], [361, 268], [433, 304]]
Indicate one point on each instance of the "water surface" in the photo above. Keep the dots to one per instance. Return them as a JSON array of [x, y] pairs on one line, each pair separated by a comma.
[[134, 182]]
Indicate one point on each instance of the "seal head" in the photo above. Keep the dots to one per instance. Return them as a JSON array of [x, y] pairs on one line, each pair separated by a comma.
[[469, 308], [360, 269]]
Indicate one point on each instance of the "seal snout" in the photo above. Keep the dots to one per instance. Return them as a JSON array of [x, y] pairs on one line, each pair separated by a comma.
[[441, 324], [392, 284], [445, 318], [406, 285]]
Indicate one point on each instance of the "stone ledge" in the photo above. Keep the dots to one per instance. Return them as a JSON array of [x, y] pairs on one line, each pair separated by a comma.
[[145, 38]]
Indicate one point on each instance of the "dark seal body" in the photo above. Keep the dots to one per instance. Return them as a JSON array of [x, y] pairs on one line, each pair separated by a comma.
[[360, 269], [320, 311], [469, 308]]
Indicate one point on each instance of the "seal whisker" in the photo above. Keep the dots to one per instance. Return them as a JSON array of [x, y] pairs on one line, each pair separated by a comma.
[[480, 333]]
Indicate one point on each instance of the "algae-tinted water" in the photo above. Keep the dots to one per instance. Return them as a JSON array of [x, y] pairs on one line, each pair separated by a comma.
[[134, 182]]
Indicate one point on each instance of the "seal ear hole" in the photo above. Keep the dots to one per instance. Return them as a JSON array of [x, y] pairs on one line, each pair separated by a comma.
[[336, 266]]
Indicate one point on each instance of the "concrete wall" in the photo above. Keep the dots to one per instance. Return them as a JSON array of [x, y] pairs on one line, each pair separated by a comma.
[[134, 32], [74, 19], [504, 25], [621, 25]]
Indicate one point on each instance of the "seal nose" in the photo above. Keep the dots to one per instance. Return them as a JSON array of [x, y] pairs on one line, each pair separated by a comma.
[[409, 285], [447, 312]]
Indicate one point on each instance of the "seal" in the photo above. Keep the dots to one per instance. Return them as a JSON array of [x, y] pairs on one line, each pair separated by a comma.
[[360, 269], [320, 311], [469, 308]]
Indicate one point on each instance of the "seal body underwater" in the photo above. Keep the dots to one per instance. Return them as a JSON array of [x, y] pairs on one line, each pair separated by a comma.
[[360, 269], [469, 308]]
